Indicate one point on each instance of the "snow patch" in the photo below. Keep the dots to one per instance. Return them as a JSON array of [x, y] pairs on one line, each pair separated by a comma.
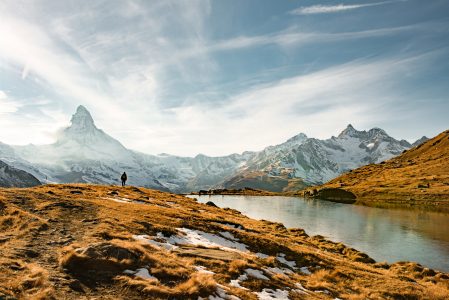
[[236, 282], [279, 271], [290, 263], [301, 289], [305, 270], [228, 235], [196, 238], [268, 294], [142, 273], [148, 240], [220, 294], [202, 269], [261, 255], [209, 240], [256, 274]]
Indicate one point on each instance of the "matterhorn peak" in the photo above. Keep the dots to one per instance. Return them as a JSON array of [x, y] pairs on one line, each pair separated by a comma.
[[82, 120]]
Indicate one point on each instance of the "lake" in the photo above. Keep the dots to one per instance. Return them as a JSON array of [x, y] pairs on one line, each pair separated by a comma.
[[384, 234]]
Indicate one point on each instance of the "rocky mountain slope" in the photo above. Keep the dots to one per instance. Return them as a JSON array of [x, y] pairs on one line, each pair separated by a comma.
[[12, 177], [84, 153], [103, 242], [315, 161], [419, 176]]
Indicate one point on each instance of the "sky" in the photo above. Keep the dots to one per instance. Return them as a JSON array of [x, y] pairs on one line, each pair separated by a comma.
[[221, 77]]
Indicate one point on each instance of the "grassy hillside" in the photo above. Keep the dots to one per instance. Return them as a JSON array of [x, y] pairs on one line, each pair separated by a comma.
[[105, 242], [420, 176]]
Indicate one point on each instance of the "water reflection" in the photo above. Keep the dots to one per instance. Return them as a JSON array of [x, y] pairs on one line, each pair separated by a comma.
[[385, 234]]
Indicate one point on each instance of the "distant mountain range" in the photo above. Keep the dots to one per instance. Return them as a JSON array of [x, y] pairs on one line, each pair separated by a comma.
[[84, 153]]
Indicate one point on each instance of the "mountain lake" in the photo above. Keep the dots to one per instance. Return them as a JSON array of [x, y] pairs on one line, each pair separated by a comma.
[[389, 235]]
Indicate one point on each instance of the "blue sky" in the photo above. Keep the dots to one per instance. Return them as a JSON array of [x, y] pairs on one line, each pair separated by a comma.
[[217, 77]]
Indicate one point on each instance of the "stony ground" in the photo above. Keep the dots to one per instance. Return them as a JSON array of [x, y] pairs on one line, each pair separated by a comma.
[[106, 242]]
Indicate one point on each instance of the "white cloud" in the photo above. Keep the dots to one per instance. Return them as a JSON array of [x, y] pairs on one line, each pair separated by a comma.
[[120, 73], [362, 92], [323, 9], [7, 105]]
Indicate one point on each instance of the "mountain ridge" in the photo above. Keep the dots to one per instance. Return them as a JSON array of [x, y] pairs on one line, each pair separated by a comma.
[[85, 153]]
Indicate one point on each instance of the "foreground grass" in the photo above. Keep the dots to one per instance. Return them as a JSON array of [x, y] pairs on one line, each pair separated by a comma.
[[86, 241]]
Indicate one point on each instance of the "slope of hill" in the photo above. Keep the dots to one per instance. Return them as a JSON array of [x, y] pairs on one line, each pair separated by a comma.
[[106, 242], [419, 176], [12, 177]]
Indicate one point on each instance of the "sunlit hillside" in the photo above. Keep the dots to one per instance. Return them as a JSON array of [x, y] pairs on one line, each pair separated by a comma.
[[87, 241], [419, 176]]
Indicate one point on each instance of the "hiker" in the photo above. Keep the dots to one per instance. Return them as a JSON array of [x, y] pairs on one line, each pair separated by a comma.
[[124, 178]]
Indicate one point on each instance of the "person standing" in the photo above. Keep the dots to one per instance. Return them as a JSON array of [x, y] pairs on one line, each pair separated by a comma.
[[124, 178]]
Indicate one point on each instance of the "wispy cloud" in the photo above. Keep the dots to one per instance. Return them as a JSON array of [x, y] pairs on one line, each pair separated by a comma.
[[324, 9], [160, 69], [364, 91], [7, 105]]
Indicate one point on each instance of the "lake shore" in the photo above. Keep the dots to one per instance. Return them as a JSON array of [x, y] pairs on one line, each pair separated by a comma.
[[74, 241]]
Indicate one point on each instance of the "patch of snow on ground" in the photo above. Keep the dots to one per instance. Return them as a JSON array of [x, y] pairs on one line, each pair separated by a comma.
[[261, 255], [148, 240], [222, 295], [202, 269], [194, 237], [124, 200], [119, 200], [301, 289], [228, 235], [256, 274], [236, 282], [290, 263], [305, 270], [142, 273], [276, 270], [200, 238], [269, 294]]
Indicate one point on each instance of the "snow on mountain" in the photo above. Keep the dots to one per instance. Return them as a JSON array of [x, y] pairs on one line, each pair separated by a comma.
[[317, 161], [84, 153]]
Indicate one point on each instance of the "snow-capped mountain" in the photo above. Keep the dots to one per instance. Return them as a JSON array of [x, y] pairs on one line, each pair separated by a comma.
[[316, 161], [12, 177], [84, 153]]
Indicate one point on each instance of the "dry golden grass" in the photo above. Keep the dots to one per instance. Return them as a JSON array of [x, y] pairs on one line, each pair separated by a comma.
[[419, 177], [75, 241]]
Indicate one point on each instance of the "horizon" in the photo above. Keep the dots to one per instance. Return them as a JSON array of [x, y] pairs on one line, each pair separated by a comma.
[[215, 78]]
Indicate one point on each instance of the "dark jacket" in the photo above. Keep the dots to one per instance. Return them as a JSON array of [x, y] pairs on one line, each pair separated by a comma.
[[124, 177]]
